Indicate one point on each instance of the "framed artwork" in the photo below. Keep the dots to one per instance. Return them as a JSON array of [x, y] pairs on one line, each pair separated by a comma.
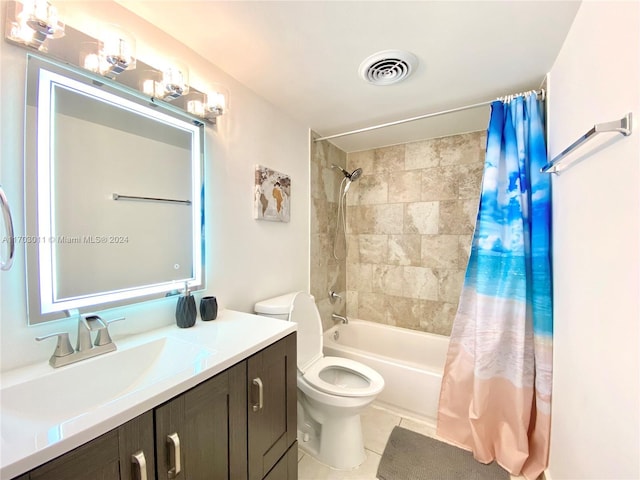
[[272, 195]]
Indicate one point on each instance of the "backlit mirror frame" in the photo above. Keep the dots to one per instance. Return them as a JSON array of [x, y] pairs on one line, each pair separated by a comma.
[[42, 76]]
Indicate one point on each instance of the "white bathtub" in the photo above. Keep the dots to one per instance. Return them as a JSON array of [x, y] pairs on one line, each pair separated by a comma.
[[411, 362]]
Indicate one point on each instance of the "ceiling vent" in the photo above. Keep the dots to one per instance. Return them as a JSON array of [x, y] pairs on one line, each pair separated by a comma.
[[387, 67]]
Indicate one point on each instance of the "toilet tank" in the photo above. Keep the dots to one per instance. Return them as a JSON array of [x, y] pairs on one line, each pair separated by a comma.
[[276, 307]]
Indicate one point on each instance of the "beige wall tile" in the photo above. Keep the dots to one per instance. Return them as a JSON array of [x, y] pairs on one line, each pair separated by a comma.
[[372, 248], [469, 180], [353, 249], [404, 250], [460, 149], [405, 186], [422, 154], [410, 219], [381, 219], [352, 304], [389, 159], [458, 216], [359, 277], [421, 217], [371, 307], [364, 160], [440, 251], [439, 183], [354, 214], [450, 285], [325, 272], [403, 312], [437, 317], [420, 283], [370, 189], [464, 250], [388, 279]]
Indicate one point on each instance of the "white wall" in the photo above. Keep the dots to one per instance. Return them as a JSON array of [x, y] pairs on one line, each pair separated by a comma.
[[247, 260], [596, 221]]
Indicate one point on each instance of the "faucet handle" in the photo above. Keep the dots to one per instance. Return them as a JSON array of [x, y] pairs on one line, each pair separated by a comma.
[[103, 337], [63, 347], [333, 296]]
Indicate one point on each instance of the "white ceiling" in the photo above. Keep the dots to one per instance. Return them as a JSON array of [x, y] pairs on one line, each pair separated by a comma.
[[304, 56]]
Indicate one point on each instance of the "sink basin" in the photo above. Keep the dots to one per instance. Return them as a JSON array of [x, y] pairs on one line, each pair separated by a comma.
[[73, 390]]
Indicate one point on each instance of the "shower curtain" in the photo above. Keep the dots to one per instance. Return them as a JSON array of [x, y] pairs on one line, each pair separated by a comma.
[[496, 390]]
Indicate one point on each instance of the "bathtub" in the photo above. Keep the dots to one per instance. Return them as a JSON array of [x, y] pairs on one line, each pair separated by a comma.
[[410, 362]]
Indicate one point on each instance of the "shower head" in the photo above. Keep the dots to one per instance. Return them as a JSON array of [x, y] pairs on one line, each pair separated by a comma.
[[353, 176]]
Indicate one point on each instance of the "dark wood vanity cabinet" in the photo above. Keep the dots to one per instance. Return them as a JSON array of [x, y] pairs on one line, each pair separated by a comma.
[[271, 410], [228, 427], [96, 460], [198, 434]]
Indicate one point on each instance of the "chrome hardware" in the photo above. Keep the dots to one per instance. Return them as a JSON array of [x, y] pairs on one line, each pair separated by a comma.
[[257, 407], [64, 353], [103, 337], [86, 325], [63, 347], [117, 196], [140, 463], [174, 453], [335, 316], [333, 296], [8, 225], [336, 335], [623, 126]]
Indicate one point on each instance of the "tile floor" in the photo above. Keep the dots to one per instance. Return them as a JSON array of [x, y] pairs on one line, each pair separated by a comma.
[[377, 423]]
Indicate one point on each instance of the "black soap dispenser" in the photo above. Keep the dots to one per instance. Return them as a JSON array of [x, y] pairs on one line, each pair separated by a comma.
[[186, 311]]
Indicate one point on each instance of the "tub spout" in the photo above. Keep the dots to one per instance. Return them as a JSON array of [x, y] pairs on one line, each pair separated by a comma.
[[335, 316]]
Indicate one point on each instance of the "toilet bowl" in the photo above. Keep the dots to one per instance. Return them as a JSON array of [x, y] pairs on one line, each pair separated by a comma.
[[332, 391]]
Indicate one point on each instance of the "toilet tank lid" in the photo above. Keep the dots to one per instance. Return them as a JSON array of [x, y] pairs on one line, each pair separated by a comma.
[[280, 305]]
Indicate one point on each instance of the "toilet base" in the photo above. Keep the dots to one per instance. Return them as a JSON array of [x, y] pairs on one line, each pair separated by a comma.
[[337, 443]]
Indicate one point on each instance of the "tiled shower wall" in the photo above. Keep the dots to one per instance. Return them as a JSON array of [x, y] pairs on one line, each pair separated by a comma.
[[327, 273], [410, 220]]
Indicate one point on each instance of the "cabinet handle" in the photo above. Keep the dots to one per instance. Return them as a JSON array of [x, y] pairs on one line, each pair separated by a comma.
[[140, 462], [174, 452], [258, 382]]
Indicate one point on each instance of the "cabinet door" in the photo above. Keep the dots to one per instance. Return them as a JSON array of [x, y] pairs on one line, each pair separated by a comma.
[[136, 446], [201, 435], [96, 460], [287, 466], [271, 380]]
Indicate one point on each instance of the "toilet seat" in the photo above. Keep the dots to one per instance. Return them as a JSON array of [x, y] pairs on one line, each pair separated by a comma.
[[373, 381]]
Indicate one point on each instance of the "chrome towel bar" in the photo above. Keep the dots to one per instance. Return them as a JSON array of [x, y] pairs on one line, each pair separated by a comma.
[[622, 126], [117, 196]]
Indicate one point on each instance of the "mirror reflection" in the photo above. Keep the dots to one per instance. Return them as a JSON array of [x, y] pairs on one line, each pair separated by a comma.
[[115, 209]]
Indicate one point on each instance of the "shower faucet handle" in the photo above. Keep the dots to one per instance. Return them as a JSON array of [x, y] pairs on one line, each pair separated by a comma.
[[333, 296]]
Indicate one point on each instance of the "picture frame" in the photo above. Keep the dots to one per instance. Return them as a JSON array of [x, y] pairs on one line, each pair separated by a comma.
[[272, 195]]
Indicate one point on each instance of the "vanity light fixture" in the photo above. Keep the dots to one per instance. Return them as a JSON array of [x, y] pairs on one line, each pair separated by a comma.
[[118, 50], [175, 82], [31, 22], [112, 54], [208, 105]]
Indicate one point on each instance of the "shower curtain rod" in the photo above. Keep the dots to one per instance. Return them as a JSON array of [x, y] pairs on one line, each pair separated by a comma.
[[540, 92]]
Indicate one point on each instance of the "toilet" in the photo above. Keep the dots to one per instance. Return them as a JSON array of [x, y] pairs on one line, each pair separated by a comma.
[[332, 391]]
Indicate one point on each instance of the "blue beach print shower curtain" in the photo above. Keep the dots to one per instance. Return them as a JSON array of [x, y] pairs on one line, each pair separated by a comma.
[[496, 391]]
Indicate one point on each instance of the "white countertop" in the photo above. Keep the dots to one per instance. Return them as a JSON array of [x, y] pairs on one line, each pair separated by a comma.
[[28, 441]]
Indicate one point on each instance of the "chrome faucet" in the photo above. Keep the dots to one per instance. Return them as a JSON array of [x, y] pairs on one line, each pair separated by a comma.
[[335, 316], [86, 325], [64, 354]]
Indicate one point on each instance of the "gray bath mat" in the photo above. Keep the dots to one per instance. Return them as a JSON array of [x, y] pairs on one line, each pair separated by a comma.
[[411, 456]]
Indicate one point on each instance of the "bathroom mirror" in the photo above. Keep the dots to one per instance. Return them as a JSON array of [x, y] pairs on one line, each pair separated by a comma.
[[113, 186]]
